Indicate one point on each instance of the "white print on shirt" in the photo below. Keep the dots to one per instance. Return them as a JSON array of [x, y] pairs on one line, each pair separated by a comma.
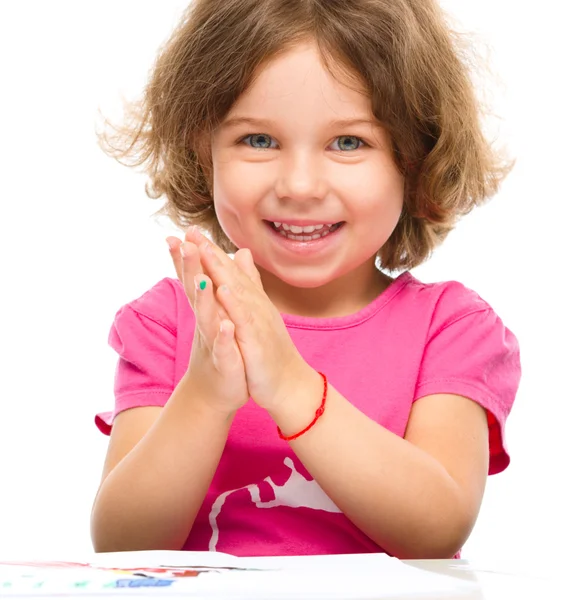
[[296, 492]]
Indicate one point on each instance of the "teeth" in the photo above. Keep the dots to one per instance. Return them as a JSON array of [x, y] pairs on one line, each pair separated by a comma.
[[295, 229], [303, 238]]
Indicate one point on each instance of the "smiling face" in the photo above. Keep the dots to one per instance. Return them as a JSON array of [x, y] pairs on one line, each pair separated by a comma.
[[301, 149]]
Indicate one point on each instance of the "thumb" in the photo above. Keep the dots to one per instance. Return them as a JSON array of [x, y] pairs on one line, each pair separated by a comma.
[[226, 354], [244, 259]]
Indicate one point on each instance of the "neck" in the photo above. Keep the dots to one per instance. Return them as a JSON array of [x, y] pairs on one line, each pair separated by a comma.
[[338, 298]]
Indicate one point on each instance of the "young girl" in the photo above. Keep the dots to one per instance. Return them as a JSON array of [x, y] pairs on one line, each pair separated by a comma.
[[296, 399]]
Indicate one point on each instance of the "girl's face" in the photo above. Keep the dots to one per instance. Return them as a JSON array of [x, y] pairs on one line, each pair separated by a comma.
[[301, 149]]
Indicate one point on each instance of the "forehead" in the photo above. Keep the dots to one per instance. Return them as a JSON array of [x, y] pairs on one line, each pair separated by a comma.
[[298, 81]]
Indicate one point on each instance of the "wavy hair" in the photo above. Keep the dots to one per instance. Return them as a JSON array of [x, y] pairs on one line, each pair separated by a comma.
[[416, 72]]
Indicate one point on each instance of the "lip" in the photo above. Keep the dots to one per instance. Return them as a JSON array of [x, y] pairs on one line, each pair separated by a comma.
[[306, 249], [302, 222]]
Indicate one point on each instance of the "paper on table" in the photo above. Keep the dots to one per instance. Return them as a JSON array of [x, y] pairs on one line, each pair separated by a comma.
[[165, 574]]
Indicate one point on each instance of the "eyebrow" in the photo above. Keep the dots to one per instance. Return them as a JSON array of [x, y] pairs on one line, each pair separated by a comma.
[[235, 121]]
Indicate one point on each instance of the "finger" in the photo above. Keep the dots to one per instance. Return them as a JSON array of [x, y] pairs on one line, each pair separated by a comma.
[[190, 262], [244, 260], [190, 267], [222, 269], [208, 249], [174, 244], [226, 354], [241, 313], [205, 308], [193, 234], [195, 267], [189, 254]]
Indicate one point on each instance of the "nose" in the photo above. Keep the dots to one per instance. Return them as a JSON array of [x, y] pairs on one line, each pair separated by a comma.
[[300, 177]]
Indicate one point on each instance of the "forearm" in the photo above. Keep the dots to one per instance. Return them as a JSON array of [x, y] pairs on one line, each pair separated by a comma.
[[151, 498], [396, 493]]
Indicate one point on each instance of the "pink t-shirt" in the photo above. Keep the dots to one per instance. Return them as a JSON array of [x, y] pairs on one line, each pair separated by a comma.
[[415, 339]]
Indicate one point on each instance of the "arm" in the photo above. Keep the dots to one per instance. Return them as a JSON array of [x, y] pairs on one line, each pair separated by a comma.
[[161, 461], [416, 497], [158, 468]]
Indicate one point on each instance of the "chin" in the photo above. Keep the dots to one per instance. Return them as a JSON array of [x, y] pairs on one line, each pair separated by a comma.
[[305, 281]]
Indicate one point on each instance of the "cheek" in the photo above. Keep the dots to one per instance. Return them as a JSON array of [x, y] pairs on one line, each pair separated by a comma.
[[235, 193], [238, 184], [229, 196], [374, 191]]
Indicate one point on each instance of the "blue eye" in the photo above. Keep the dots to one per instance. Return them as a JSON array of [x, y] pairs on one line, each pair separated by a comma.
[[262, 141], [346, 143], [259, 140]]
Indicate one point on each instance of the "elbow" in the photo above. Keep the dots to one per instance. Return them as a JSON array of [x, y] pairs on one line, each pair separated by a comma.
[[429, 545], [446, 527], [441, 535], [105, 536], [431, 550], [111, 534], [102, 546], [102, 541], [445, 541]]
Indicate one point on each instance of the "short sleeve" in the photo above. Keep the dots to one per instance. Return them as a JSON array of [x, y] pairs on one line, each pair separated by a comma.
[[471, 353], [144, 337]]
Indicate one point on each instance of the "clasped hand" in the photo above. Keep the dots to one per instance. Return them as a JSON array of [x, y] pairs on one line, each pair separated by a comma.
[[241, 343]]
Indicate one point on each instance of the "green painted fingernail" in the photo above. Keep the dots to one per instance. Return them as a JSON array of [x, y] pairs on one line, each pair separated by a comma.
[[203, 284]]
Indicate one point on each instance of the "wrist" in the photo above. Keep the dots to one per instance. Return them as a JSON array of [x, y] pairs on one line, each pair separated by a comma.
[[204, 403], [297, 402]]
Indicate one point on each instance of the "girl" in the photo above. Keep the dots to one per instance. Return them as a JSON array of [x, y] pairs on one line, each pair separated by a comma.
[[296, 398]]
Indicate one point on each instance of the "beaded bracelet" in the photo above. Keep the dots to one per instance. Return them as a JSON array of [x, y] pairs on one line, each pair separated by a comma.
[[318, 413]]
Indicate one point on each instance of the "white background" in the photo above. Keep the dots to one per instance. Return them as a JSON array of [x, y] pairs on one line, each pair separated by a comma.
[[77, 242]]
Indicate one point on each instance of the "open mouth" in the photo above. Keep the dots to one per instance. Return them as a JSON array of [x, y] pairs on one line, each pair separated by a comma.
[[304, 234]]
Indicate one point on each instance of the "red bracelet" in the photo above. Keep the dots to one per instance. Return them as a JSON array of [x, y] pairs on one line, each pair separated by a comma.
[[318, 413]]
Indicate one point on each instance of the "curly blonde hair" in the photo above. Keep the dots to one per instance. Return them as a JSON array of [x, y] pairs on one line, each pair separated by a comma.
[[416, 75]]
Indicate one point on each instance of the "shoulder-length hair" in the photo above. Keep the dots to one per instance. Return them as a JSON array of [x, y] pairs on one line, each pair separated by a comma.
[[415, 72]]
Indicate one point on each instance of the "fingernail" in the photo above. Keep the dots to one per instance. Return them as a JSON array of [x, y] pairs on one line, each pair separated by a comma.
[[169, 245], [183, 250], [224, 330], [202, 285]]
